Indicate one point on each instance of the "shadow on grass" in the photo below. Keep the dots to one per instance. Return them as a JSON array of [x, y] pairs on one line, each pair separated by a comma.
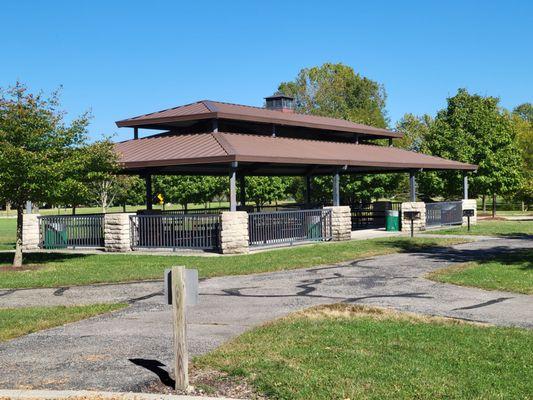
[[40, 258], [501, 254]]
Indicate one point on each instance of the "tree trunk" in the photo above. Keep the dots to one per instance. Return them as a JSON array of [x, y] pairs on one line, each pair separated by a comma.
[[17, 260], [493, 205], [73, 210], [523, 206], [484, 203], [124, 208]]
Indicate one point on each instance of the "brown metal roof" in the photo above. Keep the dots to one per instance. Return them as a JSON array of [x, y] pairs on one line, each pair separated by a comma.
[[209, 148], [213, 109]]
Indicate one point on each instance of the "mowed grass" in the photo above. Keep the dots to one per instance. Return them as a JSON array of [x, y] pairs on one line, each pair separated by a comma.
[[351, 352], [493, 228], [55, 269], [22, 321], [8, 229], [512, 272]]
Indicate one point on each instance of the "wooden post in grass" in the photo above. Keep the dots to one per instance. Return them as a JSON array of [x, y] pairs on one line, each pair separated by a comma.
[[181, 357]]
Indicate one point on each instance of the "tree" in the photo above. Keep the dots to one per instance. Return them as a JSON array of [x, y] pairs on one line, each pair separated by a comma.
[[262, 189], [335, 90], [415, 130], [185, 190], [523, 119], [474, 129], [90, 177], [37, 150]]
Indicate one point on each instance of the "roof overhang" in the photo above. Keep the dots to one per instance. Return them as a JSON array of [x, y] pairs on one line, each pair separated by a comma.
[[212, 153]]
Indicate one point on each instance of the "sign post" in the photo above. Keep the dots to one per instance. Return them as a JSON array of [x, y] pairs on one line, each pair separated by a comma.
[[181, 289], [468, 214], [412, 215]]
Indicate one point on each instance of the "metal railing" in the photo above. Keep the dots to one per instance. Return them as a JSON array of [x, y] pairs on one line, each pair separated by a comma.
[[444, 213], [273, 228], [71, 231], [189, 231], [213, 210], [371, 215]]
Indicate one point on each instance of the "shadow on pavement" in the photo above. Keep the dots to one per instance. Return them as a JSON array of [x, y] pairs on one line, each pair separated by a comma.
[[155, 367]]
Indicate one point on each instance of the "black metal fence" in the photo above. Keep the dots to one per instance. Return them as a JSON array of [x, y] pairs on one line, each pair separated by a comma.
[[71, 231], [273, 228], [198, 231], [213, 210], [371, 215], [444, 213]]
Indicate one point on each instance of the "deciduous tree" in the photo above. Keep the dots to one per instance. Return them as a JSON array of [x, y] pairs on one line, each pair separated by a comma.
[[37, 150]]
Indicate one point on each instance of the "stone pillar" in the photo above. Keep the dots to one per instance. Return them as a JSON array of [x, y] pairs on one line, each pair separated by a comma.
[[470, 204], [117, 232], [30, 232], [341, 222], [234, 232], [419, 224]]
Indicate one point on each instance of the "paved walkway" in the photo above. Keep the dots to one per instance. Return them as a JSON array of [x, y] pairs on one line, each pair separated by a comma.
[[123, 350]]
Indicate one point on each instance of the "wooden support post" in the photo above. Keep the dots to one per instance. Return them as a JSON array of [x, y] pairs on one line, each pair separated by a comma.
[[181, 356], [136, 133], [149, 198]]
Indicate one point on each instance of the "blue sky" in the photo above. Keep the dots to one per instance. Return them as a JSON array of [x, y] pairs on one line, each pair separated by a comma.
[[123, 58]]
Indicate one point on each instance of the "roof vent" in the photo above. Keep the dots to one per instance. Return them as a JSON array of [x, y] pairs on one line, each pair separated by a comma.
[[280, 102]]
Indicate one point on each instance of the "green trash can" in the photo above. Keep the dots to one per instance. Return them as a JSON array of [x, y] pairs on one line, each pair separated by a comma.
[[314, 228], [392, 220], [55, 236]]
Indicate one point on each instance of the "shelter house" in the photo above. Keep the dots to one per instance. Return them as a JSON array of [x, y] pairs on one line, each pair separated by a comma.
[[222, 139]]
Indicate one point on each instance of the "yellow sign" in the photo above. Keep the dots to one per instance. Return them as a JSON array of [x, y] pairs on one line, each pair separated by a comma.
[[161, 198]]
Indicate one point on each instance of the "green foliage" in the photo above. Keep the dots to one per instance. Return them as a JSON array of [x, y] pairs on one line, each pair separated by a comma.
[[42, 156], [262, 190], [523, 119], [473, 129], [415, 130], [335, 90], [189, 189]]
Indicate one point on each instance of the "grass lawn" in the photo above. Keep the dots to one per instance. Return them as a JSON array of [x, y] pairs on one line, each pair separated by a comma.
[[76, 269], [512, 272], [492, 228], [351, 352], [8, 229], [21, 321]]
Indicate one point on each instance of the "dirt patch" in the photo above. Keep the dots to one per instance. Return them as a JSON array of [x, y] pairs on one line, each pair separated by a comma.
[[209, 383], [28, 267], [347, 311]]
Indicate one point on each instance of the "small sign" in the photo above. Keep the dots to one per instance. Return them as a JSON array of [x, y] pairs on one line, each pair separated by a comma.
[[411, 214], [191, 286], [468, 213]]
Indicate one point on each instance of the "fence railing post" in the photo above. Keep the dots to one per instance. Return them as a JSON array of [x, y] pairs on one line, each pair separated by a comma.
[[117, 232], [30, 232]]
